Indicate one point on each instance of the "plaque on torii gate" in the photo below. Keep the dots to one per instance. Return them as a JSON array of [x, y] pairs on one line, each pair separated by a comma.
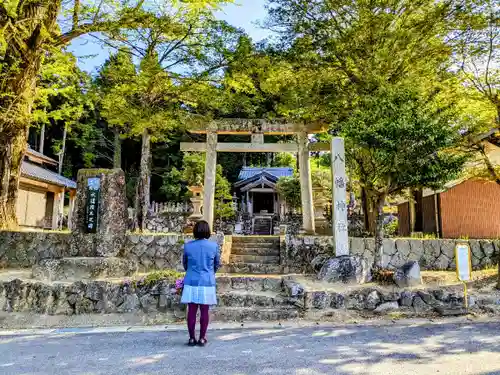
[[257, 129]]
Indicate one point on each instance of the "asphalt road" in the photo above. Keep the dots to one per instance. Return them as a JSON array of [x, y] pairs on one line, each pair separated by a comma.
[[427, 349]]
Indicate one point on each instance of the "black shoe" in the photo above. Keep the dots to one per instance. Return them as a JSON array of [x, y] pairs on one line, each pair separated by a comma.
[[202, 342], [192, 342]]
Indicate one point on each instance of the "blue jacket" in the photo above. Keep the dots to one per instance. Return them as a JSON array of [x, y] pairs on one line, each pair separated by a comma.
[[201, 260]]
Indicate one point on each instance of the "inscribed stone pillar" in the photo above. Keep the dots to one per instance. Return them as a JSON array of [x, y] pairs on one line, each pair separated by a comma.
[[71, 210], [100, 218], [306, 184], [339, 204], [210, 172], [57, 209]]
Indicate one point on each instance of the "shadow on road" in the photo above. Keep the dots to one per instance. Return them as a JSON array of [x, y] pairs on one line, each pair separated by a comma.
[[445, 349]]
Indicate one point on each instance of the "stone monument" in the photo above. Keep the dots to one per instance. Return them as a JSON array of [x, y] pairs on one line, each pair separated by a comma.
[[101, 217], [99, 229]]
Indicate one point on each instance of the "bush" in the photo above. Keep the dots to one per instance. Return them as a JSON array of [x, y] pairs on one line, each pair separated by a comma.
[[391, 227]]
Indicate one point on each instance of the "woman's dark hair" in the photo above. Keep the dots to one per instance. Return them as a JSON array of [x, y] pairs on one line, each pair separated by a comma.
[[201, 230]]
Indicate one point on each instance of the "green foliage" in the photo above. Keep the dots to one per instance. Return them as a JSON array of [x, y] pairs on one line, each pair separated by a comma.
[[284, 159], [223, 199], [152, 278], [391, 228], [397, 139], [172, 185], [193, 168], [289, 189], [193, 174]]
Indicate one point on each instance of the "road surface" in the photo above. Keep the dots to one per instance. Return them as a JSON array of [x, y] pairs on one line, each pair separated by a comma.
[[419, 349]]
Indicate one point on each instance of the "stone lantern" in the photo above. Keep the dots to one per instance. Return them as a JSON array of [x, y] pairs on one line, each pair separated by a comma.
[[320, 203], [197, 201]]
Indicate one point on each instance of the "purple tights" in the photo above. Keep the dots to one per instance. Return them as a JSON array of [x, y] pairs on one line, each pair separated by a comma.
[[191, 320]]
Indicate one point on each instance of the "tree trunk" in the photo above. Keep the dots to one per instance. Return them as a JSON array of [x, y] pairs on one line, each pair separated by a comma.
[[379, 232], [14, 120], [117, 149], [491, 169], [143, 186], [63, 149], [368, 204], [42, 139], [11, 157], [412, 210]]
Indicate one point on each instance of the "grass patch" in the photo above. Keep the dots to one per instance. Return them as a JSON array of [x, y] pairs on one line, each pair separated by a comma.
[[154, 277]]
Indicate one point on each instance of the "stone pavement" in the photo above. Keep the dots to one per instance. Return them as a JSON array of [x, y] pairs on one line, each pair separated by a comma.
[[447, 348]]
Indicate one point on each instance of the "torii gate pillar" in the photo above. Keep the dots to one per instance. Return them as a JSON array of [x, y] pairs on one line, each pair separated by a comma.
[[306, 192], [210, 173]]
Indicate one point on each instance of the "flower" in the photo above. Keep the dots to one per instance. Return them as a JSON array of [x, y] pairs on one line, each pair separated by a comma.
[[179, 285]]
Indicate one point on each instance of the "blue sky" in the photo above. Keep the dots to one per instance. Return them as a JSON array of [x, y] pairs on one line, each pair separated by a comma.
[[244, 14]]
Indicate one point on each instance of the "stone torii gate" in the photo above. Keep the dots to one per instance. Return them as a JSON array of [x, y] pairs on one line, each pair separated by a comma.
[[257, 129]]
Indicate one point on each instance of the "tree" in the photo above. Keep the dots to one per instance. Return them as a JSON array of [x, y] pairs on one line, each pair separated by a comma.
[[30, 30], [118, 70], [352, 51], [400, 138], [477, 54], [156, 99], [62, 98], [193, 175]]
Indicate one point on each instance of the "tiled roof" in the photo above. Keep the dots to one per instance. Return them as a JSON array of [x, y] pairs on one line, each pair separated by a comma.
[[41, 174], [249, 172], [40, 155]]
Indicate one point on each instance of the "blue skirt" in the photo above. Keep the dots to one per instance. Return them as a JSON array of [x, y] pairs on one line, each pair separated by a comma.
[[202, 295]]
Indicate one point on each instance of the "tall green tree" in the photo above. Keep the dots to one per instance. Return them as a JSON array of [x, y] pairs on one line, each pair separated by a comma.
[[62, 98], [156, 99], [118, 70], [357, 52], [477, 54], [398, 139], [30, 29]]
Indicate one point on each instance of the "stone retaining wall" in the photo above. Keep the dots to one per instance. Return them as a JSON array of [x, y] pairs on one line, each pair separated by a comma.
[[25, 249], [167, 222], [239, 295], [311, 251], [306, 253]]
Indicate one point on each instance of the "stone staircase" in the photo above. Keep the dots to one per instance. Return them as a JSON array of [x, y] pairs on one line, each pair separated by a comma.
[[254, 298], [254, 255]]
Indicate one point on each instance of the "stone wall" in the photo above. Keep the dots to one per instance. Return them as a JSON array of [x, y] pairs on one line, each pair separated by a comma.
[[285, 299], [301, 253], [311, 251], [167, 222], [25, 249]]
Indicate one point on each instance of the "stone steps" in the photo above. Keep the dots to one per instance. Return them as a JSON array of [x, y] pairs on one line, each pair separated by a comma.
[[258, 259], [256, 239], [256, 245], [255, 251], [249, 283], [251, 268], [254, 299]]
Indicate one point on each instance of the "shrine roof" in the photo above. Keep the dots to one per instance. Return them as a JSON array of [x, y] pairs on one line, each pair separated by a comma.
[[277, 172], [33, 171]]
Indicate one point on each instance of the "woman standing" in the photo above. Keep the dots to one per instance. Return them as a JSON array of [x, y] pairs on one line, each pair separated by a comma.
[[201, 260]]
